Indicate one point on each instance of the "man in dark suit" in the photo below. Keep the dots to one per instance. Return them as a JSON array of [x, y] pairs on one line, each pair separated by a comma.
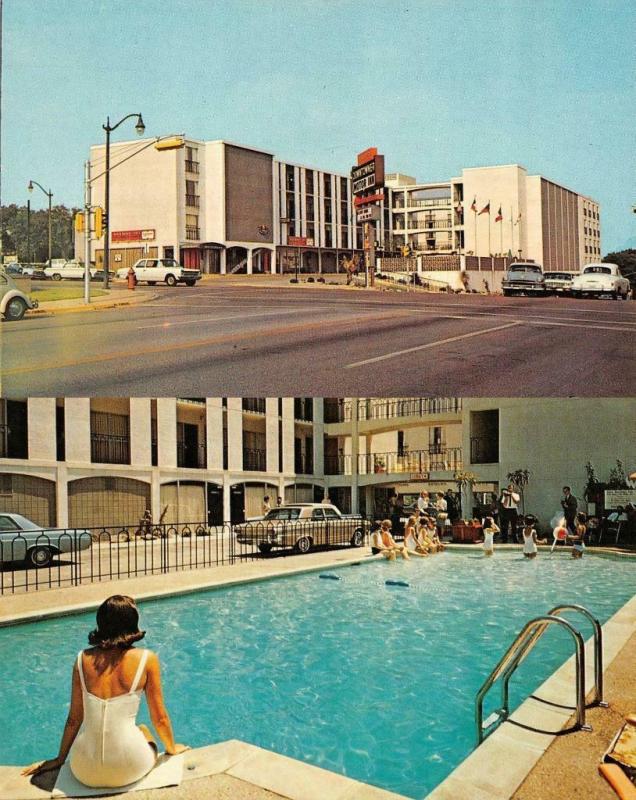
[[569, 504]]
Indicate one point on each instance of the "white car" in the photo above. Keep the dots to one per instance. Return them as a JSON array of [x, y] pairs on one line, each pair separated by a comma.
[[161, 270], [71, 270], [598, 279], [558, 282]]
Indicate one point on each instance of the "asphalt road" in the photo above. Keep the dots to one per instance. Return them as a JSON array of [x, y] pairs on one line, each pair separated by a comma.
[[229, 340]]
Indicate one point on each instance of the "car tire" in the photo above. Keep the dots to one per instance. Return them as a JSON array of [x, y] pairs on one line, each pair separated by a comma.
[[56, 276], [303, 545], [265, 548], [16, 309], [40, 556], [171, 280], [190, 283], [507, 292], [357, 540]]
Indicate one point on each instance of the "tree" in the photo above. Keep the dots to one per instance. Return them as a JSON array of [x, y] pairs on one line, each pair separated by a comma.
[[14, 233], [626, 260]]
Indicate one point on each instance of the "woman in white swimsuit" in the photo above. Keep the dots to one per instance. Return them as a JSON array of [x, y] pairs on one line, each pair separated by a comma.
[[530, 539], [105, 745], [490, 529]]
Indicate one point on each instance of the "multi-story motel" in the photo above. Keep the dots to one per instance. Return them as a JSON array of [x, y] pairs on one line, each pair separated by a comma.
[[527, 216], [89, 462], [226, 207]]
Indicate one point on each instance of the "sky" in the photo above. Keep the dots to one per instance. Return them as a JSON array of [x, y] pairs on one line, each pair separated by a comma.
[[435, 85]]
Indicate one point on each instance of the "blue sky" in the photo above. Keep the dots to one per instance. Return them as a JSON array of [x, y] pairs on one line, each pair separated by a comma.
[[436, 85]]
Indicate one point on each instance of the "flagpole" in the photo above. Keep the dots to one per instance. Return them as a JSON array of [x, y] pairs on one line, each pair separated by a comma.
[[501, 237], [489, 226], [475, 215], [512, 243]]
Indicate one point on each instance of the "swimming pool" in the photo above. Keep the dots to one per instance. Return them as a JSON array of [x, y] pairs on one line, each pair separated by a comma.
[[371, 681]]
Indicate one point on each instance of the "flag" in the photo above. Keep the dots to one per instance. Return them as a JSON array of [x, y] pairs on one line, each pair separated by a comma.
[[474, 205], [485, 209], [499, 216], [518, 219]]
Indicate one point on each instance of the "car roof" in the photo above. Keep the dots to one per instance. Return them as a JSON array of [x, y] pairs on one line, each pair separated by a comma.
[[23, 522]]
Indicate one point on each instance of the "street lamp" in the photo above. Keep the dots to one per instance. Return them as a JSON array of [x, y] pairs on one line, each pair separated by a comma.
[[140, 128], [49, 194]]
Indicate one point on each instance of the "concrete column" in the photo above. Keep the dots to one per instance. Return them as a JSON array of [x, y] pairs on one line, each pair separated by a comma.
[[369, 499], [223, 262], [214, 432], [61, 496], [271, 434], [272, 261], [319, 437], [77, 429], [249, 266], [234, 434], [355, 449], [41, 424], [140, 432], [226, 497], [155, 495], [167, 432], [288, 436]]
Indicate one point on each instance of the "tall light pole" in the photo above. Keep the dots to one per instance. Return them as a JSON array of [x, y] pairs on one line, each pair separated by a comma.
[[140, 128], [49, 194]]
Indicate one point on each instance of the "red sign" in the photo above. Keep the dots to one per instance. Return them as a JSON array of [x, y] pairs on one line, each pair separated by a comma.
[[300, 241], [370, 198], [142, 235], [367, 155]]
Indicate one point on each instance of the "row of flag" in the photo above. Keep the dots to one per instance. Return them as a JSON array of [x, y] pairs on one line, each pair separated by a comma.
[[485, 210]]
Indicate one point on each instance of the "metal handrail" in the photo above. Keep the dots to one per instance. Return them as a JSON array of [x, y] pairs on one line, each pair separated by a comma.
[[521, 642], [534, 637]]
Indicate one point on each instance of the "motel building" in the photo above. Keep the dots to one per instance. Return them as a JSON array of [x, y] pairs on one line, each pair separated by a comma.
[[223, 208], [91, 462]]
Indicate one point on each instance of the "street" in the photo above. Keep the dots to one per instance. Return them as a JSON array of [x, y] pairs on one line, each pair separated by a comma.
[[230, 340]]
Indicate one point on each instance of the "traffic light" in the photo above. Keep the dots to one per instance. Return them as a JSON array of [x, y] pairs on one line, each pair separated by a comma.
[[79, 222], [99, 222]]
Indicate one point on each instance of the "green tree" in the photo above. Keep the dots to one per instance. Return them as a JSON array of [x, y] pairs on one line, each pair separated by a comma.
[[13, 229]]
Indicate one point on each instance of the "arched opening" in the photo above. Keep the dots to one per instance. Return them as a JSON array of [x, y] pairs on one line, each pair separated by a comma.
[[236, 261], [304, 493], [104, 501], [183, 502], [261, 260], [246, 499], [32, 497], [309, 261]]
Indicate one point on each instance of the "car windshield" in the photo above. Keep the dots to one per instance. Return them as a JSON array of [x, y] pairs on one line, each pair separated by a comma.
[[600, 270], [283, 513], [524, 268], [13, 521]]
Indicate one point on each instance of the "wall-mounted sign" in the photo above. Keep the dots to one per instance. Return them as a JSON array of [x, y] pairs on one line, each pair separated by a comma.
[[368, 175], [419, 476], [367, 155], [619, 497], [368, 213], [140, 235], [368, 198], [300, 241]]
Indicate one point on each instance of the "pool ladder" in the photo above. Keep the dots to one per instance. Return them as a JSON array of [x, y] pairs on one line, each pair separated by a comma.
[[519, 649]]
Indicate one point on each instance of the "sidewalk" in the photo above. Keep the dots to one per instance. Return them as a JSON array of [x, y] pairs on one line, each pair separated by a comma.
[[116, 297]]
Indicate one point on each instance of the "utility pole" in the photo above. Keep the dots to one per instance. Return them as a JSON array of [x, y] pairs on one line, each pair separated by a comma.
[[87, 232], [28, 232]]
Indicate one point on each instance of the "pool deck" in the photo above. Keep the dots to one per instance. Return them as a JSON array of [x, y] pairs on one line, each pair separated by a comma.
[[512, 763]]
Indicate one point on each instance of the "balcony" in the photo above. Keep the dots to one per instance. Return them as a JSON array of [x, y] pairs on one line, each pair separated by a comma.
[[304, 464], [193, 234], [107, 448], [192, 166], [372, 409], [440, 202], [417, 462], [338, 465], [255, 405], [429, 224], [254, 460], [192, 200], [304, 409], [191, 456]]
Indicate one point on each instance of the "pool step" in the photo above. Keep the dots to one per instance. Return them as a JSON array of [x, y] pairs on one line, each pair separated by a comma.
[[496, 716]]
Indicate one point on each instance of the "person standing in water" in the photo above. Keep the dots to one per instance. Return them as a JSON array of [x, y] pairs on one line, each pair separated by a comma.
[[490, 529]]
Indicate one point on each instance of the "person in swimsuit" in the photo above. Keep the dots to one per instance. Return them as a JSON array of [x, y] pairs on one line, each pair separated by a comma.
[[413, 546], [530, 540], [490, 529], [105, 746], [578, 539]]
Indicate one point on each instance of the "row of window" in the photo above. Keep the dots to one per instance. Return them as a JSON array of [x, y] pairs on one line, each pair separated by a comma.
[[290, 182], [591, 231], [592, 250], [591, 213]]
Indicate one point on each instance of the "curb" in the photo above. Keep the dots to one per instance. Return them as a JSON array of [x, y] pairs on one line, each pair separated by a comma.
[[96, 306]]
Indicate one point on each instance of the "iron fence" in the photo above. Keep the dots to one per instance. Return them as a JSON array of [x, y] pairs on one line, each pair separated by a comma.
[[35, 560]]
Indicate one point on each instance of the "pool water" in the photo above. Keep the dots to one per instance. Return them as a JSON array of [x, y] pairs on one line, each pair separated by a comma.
[[372, 681]]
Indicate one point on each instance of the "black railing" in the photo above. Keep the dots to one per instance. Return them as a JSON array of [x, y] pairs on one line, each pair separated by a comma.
[[107, 448], [254, 404], [192, 456], [66, 557], [371, 408], [254, 459], [338, 465], [303, 464], [192, 233], [192, 200], [191, 166]]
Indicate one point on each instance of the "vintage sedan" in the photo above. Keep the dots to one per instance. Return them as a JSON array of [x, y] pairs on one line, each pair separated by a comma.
[[302, 526], [601, 279], [13, 302], [23, 540], [558, 282], [523, 278], [161, 270]]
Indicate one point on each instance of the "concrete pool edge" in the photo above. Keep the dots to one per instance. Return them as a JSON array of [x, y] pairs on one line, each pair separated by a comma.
[[498, 767]]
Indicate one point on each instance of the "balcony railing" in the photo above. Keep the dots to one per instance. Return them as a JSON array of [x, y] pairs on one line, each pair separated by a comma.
[[110, 449], [191, 456], [416, 462], [434, 203], [192, 200], [428, 224], [371, 409], [304, 409], [192, 166], [254, 460], [254, 404], [193, 233], [303, 465]]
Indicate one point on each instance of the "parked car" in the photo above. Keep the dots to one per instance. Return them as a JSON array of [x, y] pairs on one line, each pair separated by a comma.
[[13, 302], [23, 540], [558, 282], [161, 270], [302, 526], [34, 271], [598, 279], [70, 270], [16, 270], [523, 278]]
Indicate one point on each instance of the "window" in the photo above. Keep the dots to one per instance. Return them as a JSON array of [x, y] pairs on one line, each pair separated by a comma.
[[484, 437], [8, 524], [283, 513], [289, 178], [343, 188], [330, 513], [310, 208], [309, 181], [400, 443], [326, 183]]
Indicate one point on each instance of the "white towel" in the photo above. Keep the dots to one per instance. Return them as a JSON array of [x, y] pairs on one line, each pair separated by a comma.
[[168, 771]]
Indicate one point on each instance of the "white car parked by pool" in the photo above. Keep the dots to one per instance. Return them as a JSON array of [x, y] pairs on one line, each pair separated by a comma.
[[23, 540], [161, 270], [598, 279]]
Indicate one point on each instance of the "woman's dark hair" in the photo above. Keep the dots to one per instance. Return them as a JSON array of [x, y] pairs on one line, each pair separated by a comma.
[[117, 623]]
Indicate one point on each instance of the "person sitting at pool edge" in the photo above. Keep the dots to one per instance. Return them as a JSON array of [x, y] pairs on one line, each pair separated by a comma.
[[411, 542], [104, 745], [390, 546]]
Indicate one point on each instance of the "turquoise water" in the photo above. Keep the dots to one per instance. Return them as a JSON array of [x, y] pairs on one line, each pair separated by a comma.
[[370, 681]]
